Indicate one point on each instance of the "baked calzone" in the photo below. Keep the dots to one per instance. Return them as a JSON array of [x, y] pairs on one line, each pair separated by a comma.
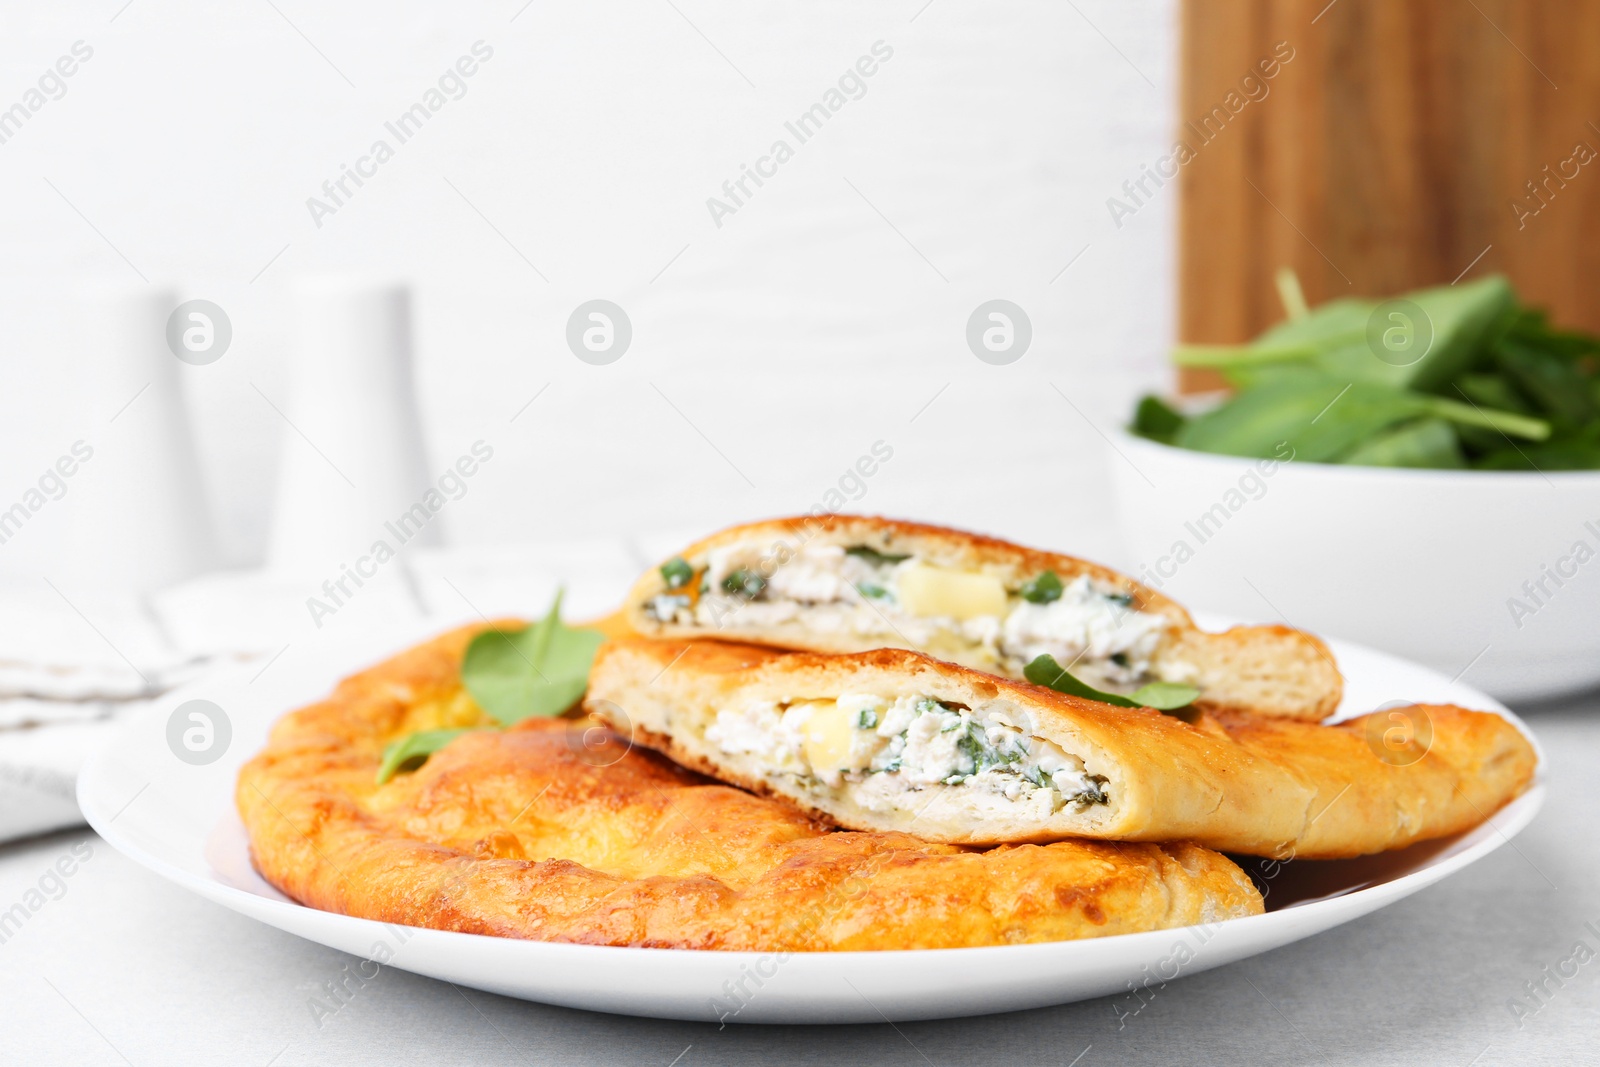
[[840, 583], [893, 740]]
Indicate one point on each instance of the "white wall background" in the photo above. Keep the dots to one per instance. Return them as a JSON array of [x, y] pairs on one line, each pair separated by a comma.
[[793, 337]]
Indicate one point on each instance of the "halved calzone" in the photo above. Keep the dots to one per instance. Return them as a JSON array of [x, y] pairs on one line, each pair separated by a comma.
[[895, 740], [849, 584]]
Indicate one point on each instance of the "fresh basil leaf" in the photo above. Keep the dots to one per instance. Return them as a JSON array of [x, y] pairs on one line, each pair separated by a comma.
[[676, 572], [1163, 696], [1044, 589], [539, 670], [413, 750]]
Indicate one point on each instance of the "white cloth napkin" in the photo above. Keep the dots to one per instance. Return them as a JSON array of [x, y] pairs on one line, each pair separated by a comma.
[[73, 664]]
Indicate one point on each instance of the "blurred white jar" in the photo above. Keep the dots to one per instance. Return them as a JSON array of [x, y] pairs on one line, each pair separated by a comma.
[[353, 457], [139, 518]]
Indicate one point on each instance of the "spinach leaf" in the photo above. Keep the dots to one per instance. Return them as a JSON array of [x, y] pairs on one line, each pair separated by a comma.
[[1504, 422], [1320, 416], [1044, 589], [413, 750], [539, 670], [1429, 443], [1569, 452], [1328, 327], [1335, 338], [512, 675], [874, 557], [1463, 318], [1323, 418], [747, 584], [676, 572], [1232, 357], [1553, 382], [1492, 391], [1163, 696], [1334, 333], [1329, 383], [1156, 420], [1532, 328]]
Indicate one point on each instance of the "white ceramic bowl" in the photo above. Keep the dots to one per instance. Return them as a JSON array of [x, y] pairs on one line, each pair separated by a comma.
[[1490, 577]]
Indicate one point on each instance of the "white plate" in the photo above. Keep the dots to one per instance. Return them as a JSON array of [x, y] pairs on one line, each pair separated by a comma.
[[179, 821]]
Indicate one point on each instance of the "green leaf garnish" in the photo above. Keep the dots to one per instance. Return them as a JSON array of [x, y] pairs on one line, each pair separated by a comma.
[[512, 675], [1163, 696], [539, 670], [676, 572], [1458, 376], [747, 584], [1043, 589], [413, 750], [874, 557]]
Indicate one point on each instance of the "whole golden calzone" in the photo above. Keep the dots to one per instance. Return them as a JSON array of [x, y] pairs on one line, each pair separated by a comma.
[[895, 740], [846, 583], [555, 830]]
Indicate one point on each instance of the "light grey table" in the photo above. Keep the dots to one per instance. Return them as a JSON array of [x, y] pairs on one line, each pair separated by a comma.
[[121, 966]]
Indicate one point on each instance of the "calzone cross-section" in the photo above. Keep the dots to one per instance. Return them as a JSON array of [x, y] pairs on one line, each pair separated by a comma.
[[849, 584], [896, 740]]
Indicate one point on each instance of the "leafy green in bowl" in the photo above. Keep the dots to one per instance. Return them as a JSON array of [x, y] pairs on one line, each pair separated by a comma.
[[1454, 377]]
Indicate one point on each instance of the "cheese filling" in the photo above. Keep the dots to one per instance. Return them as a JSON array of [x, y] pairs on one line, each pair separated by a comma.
[[1091, 629], [881, 749]]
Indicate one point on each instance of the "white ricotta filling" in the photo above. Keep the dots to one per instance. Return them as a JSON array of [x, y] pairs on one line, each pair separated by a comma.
[[900, 746], [1089, 629], [1084, 623]]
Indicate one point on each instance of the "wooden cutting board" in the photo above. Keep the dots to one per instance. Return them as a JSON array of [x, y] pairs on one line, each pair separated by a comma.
[[1397, 143]]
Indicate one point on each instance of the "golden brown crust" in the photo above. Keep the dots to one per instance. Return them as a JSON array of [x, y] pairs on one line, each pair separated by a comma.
[[1230, 781], [545, 831], [1268, 670]]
